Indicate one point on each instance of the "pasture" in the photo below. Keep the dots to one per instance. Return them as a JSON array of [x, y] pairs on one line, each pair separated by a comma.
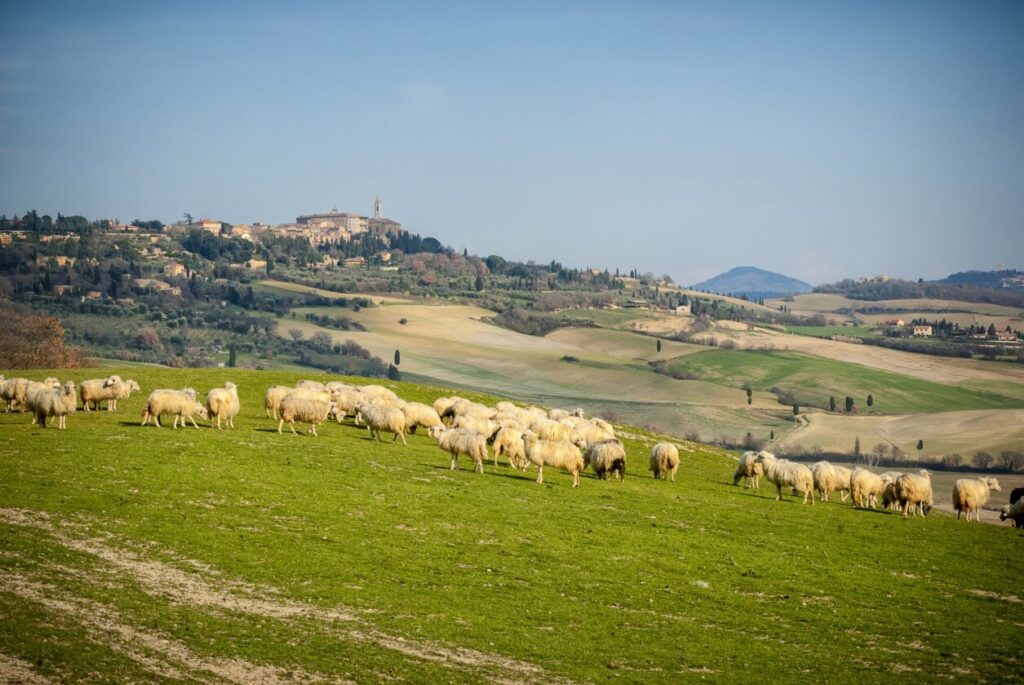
[[152, 555]]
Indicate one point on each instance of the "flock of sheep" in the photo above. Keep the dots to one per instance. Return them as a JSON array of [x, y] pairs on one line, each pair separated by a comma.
[[904, 492], [557, 438]]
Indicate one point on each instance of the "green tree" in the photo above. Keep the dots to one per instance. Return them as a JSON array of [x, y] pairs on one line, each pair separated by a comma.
[[849, 405], [796, 410], [920, 445], [658, 345], [398, 357], [478, 285], [750, 396], [232, 356], [832, 404], [393, 373], [871, 401], [856, 448]]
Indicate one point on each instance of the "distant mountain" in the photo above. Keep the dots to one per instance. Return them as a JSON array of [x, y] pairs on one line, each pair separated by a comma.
[[753, 282]]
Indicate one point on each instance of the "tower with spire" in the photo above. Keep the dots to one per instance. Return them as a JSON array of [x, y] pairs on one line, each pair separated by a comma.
[[378, 208]]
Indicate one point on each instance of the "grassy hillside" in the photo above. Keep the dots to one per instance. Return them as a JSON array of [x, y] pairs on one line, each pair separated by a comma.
[[813, 380], [145, 555]]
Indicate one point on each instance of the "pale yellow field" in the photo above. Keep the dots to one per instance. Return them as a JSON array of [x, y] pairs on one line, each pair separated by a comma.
[[622, 343], [827, 303], [964, 432], [963, 318]]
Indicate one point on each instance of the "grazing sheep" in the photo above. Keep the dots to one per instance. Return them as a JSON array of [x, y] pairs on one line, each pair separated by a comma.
[[380, 417], [915, 490], [1014, 512], [790, 474], [824, 479], [890, 499], [57, 402], [458, 441], [347, 400], [1016, 494], [557, 453], [665, 461], [606, 458], [559, 414], [334, 386], [15, 391], [750, 470], [477, 424], [587, 431], [181, 403], [443, 404], [378, 391], [272, 399], [305, 408], [970, 495], [222, 403], [546, 429], [509, 441], [842, 483], [310, 385], [866, 486], [33, 388], [419, 414], [110, 389]]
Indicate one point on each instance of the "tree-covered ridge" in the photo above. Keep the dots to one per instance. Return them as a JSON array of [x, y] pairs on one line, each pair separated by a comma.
[[962, 289]]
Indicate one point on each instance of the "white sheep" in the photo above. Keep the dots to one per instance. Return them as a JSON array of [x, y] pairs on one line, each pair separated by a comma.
[[824, 479], [458, 441], [790, 474], [1014, 512], [273, 397], [559, 414], [546, 429], [560, 454], [750, 470], [310, 385], [182, 403], [222, 403], [509, 441], [665, 461], [587, 431], [109, 390], [970, 495], [842, 482], [419, 414], [379, 418], [378, 391], [477, 424], [33, 388], [15, 391], [57, 402], [866, 487], [443, 404], [914, 490], [305, 408], [606, 458], [9, 391]]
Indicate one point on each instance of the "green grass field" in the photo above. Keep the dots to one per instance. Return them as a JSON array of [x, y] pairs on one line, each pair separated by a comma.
[[829, 331], [814, 380], [138, 554]]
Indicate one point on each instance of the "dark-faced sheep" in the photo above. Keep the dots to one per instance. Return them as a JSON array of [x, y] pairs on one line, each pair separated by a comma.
[[607, 458]]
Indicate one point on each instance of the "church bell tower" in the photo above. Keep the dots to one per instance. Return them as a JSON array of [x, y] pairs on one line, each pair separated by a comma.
[[378, 208]]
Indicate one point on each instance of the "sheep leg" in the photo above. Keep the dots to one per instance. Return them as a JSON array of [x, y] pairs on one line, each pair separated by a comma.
[[479, 468], [404, 443], [540, 473], [231, 422], [156, 420], [291, 424], [576, 479], [454, 464], [312, 429], [778, 492], [193, 420], [279, 426]]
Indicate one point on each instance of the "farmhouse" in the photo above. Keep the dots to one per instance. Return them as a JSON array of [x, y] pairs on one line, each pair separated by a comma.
[[210, 225], [895, 322], [174, 269], [352, 223], [923, 331]]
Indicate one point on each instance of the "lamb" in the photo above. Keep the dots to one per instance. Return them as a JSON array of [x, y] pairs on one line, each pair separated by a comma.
[[824, 479], [1014, 512], [222, 403], [546, 429], [272, 399], [379, 417], [109, 390], [607, 458], [306, 408], [750, 470], [915, 490], [557, 453], [419, 414], [54, 402], [509, 441], [866, 486], [970, 495], [665, 461], [182, 403], [842, 483], [787, 474], [458, 441]]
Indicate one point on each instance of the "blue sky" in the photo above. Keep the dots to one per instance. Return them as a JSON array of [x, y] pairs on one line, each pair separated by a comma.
[[821, 140]]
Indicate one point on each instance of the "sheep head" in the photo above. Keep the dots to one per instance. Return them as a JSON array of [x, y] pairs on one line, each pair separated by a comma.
[[993, 484]]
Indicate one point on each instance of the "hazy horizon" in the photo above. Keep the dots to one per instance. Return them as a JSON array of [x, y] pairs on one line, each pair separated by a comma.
[[811, 140]]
